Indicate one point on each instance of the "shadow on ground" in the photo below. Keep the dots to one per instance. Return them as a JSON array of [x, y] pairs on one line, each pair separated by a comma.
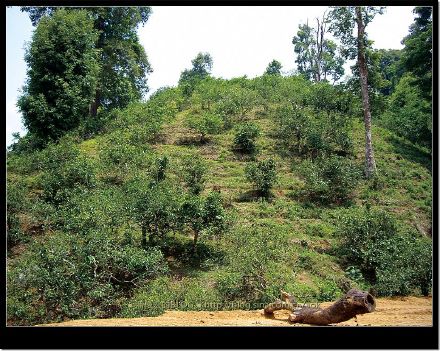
[[411, 152]]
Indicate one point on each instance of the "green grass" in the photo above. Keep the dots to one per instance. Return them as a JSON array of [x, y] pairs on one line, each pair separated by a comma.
[[404, 189], [309, 269]]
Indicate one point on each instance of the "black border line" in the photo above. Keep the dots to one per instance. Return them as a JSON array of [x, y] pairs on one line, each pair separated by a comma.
[[233, 337]]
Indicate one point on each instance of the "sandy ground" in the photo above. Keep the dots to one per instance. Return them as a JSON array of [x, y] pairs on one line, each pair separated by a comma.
[[406, 311]]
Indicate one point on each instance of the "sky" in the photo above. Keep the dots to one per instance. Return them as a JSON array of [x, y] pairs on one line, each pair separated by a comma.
[[242, 40]]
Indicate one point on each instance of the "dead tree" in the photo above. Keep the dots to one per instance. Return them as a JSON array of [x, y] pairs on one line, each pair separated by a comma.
[[354, 302]]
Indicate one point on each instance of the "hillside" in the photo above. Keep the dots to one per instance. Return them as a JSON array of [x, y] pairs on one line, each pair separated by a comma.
[[75, 211]]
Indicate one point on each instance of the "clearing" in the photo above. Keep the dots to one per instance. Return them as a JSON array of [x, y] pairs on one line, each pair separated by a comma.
[[396, 311]]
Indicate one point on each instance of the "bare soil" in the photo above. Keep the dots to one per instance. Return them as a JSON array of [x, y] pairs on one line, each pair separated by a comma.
[[400, 311]]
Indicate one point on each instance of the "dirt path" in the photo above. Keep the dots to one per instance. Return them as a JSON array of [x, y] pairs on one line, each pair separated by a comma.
[[408, 311]]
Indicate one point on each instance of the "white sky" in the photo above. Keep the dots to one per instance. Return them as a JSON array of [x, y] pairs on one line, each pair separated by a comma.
[[241, 39]]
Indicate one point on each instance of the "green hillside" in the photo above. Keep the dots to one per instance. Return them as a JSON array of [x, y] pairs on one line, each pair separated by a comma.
[[76, 208]]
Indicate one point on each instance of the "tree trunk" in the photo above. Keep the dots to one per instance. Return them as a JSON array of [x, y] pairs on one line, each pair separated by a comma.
[[144, 236], [370, 164], [196, 237], [100, 26], [94, 105], [349, 306]]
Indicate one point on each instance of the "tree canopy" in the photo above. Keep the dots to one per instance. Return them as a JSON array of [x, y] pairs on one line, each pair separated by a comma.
[[417, 53], [274, 68], [124, 63], [201, 68], [63, 69], [317, 56]]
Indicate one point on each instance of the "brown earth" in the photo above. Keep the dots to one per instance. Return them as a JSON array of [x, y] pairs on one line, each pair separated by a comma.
[[400, 311]]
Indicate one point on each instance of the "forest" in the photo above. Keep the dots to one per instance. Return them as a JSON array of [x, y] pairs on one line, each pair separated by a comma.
[[215, 191]]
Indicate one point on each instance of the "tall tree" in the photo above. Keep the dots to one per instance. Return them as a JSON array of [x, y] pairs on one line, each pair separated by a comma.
[[63, 69], [124, 63], [201, 68], [317, 56], [343, 22], [274, 68], [410, 109], [389, 69], [417, 53]]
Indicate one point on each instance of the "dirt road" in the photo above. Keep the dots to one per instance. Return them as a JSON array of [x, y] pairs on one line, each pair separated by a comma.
[[407, 311]]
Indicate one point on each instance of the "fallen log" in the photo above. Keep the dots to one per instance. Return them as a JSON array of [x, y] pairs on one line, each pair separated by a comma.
[[354, 302]]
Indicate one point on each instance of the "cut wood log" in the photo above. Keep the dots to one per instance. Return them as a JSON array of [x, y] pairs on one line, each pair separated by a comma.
[[354, 302]]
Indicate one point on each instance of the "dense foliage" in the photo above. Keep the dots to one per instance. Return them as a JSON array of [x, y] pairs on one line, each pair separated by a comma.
[[245, 138], [330, 180], [62, 73], [263, 175], [393, 259]]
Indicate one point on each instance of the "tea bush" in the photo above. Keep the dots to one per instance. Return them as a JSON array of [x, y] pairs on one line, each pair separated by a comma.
[[313, 133], [206, 123], [193, 170], [396, 261], [72, 276], [102, 208], [263, 175], [155, 207], [254, 256], [329, 180], [71, 176], [245, 138], [203, 215], [15, 194]]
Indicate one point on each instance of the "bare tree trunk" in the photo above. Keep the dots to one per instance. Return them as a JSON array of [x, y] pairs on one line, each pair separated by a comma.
[[370, 164], [349, 306]]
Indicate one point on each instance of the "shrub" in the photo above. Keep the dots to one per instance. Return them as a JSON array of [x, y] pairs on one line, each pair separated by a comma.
[[245, 138], [292, 123], [208, 92], [193, 171], [267, 86], [55, 155], [262, 174], [96, 209], [206, 123], [145, 116], [26, 144], [213, 212], [314, 133], [16, 203], [154, 206], [164, 104], [65, 170], [237, 102], [73, 276], [330, 99], [119, 153], [151, 301], [159, 168], [71, 177], [393, 259], [253, 271], [203, 215], [329, 180]]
